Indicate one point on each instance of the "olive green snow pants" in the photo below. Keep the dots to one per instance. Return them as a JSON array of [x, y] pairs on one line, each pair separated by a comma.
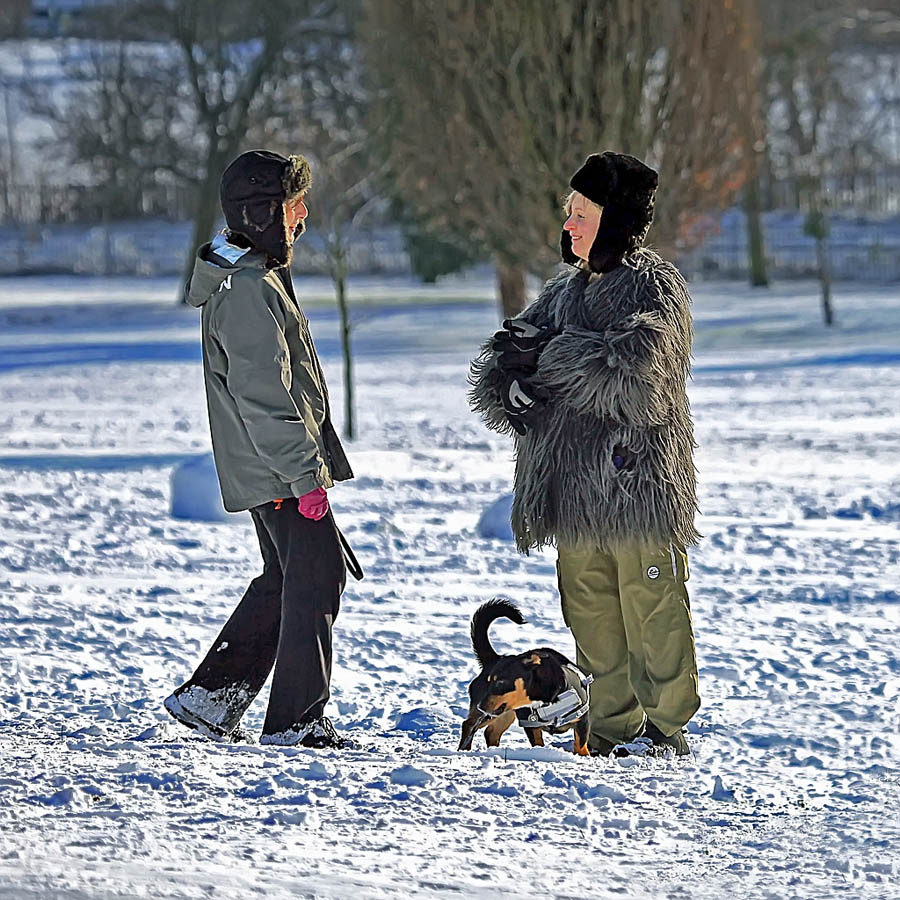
[[630, 614]]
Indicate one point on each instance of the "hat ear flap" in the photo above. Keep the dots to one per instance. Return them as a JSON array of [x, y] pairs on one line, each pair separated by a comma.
[[257, 215], [565, 249], [623, 227], [612, 241]]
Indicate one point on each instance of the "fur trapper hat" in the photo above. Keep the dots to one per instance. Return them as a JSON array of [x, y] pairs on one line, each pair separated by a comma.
[[253, 190], [625, 188]]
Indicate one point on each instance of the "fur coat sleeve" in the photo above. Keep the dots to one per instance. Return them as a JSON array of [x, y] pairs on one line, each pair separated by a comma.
[[629, 351], [485, 376]]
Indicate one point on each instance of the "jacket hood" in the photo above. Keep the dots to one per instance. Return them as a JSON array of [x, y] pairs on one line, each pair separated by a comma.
[[214, 265]]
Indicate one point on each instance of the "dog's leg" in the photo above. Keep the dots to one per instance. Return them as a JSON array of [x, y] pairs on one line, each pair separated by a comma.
[[535, 736], [582, 729], [475, 721], [493, 731]]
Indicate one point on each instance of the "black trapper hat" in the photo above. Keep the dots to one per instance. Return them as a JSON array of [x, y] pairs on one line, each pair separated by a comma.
[[625, 188], [253, 190]]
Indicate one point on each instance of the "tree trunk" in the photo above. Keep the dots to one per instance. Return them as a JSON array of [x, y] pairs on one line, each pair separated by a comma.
[[204, 219], [12, 175], [825, 279], [511, 285], [339, 276], [756, 247]]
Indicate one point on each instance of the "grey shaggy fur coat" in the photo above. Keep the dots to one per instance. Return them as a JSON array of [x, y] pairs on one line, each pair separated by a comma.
[[615, 373]]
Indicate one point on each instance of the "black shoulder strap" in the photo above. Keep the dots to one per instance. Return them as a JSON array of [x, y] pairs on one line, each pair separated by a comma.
[[353, 566]]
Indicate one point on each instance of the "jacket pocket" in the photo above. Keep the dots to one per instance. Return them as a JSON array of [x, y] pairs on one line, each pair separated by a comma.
[[680, 563], [668, 563], [658, 566]]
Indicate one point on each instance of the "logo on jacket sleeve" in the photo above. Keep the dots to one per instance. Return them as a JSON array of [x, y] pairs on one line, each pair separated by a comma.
[[225, 285], [653, 572]]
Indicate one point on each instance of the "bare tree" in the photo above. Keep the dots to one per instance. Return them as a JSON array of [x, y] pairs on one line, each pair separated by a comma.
[[490, 106], [178, 85], [825, 60], [346, 193], [754, 122], [117, 117], [13, 14], [9, 149], [321, 111]]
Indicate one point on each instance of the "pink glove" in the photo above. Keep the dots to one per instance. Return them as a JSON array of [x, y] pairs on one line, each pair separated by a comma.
[[313, 505]]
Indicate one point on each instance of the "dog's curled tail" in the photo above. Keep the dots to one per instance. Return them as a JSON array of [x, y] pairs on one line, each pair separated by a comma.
[[481, 621]]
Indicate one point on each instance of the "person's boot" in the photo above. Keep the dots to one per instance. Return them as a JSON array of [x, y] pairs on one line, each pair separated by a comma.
[[319, 734], [214, 714], [637, 746], [599, 746], [677, 741]]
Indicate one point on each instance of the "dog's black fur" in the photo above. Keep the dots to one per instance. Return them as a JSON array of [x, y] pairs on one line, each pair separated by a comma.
[[510, 683]]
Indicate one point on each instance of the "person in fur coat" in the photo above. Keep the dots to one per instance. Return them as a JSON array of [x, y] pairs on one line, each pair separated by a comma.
[[590, 381]]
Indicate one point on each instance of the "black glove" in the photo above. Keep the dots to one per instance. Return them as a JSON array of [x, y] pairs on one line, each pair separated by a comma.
[[522, 401], [519, 343]]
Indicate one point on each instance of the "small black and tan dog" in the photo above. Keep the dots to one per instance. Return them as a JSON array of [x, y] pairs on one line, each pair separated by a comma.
[[540, 688]]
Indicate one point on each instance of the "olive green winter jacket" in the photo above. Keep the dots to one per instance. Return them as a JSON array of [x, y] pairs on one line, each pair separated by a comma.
[[269, 418]]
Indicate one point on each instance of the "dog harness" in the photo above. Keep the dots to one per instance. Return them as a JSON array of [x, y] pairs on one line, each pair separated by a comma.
[[570, 704]]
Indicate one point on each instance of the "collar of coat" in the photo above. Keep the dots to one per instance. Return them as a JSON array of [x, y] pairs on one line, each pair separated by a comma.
[[644, 283]]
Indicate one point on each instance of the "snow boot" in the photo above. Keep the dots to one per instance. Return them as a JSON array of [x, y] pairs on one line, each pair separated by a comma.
[[214, 714], [599, 746], [319, 734], [677, 741], [637, 746], [652, 742]]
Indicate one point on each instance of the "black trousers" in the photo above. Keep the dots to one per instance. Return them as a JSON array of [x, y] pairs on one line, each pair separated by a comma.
[[284, 619]]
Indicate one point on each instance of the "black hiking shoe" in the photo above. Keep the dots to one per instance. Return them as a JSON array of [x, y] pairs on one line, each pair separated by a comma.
[[193, 719], [678, 742], [322, 736], [319, 734]]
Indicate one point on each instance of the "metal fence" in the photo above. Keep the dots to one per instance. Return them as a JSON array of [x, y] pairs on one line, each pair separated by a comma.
[[876, 191], [860, 248], [43, 204], [161, 248]]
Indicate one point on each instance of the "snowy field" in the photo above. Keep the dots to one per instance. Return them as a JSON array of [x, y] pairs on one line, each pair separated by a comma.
[[107, 602]]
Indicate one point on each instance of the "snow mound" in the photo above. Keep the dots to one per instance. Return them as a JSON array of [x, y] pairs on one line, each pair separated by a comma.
[[494, 521], [195, 492], [410, 776], [423, 722]]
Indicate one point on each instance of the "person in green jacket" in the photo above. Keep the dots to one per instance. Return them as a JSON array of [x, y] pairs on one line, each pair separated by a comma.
[[276, 453], [590, 379]]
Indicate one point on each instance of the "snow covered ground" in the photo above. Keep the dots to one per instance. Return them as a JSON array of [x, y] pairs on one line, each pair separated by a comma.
[[107, 602]]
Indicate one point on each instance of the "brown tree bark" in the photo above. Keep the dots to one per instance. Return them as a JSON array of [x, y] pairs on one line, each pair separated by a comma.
[[756, 248], [339, 277], [824, 264], [493, 105], [511, 288], [205, 215]]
